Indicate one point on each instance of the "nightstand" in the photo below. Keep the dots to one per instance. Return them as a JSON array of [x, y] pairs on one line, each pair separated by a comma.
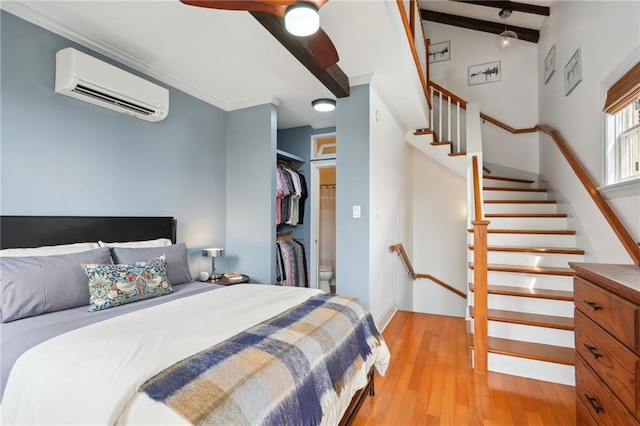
[[225, 281]]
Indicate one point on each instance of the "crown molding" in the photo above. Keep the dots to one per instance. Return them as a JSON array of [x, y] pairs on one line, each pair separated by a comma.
[[323, 124], [21, 10], [359, 80]]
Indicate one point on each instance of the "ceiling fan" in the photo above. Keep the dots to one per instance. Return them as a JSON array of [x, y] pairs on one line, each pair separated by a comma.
[[319, 44]]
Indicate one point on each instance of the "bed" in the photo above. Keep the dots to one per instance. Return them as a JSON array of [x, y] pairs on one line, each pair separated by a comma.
[[198, 354]]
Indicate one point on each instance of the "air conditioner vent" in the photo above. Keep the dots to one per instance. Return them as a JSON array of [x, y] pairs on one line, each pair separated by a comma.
[[111, 99]]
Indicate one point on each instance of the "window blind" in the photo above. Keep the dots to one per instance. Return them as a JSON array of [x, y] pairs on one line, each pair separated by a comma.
[[623, 91]]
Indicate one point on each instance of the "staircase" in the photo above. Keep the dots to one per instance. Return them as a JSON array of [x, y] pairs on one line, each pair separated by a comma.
[[529, 281]]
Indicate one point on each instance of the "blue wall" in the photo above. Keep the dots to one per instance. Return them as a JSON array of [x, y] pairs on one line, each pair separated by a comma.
[[251, 192], [352, 176], [61, 156]]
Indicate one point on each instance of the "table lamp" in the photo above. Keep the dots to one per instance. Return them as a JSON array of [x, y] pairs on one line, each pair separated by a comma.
[[213, 253]]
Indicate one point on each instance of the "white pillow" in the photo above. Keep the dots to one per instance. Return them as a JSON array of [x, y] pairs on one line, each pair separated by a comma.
[[49, 250], [160, 242]]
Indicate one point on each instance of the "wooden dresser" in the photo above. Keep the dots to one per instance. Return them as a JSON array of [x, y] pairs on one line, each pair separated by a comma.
[[607, 339]]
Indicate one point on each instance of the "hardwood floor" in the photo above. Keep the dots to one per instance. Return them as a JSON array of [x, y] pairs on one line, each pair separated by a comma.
[[430, 382]]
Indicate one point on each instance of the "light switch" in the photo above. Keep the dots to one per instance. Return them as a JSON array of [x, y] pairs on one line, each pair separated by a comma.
[[356, 212]]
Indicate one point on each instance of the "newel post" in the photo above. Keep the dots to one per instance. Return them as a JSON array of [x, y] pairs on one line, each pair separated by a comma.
[[480, 304]]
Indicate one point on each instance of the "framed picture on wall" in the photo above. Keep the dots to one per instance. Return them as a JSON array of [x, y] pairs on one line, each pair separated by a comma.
[[550, 64], [573, 72], [439, 52], [484, 73]]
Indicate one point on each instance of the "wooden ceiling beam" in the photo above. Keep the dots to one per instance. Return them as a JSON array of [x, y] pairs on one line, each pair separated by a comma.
[[525, 34], [515, 6], [332, 77]]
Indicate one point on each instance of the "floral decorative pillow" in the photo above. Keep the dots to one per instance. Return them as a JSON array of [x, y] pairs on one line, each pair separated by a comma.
[[117, 284]]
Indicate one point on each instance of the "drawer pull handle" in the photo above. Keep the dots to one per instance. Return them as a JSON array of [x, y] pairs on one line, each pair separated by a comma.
[[592, 401], [593, 305], [592, 350]]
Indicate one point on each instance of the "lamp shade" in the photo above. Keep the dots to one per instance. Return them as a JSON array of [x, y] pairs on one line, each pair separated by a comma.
[[212, 252], [302, 19]]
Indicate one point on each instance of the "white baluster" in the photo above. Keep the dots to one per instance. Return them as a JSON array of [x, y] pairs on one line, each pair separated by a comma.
[[459, 137], [449, 118], [440, 117], [432, 107]]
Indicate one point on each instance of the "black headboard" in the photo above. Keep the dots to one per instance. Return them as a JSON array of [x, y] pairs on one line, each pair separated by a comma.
[[35, 231]]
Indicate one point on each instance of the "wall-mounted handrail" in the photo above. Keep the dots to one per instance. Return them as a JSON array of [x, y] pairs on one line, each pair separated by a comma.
[[399, 248], [616, 224], [625, 237], [412, 45]]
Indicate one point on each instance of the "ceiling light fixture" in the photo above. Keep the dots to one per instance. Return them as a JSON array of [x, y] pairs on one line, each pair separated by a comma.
[[506, 39], [302, 19], [324, 105]]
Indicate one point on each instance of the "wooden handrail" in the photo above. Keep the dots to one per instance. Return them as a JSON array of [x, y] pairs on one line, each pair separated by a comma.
[[476, 189], [614, 221], [618, 227], [412, 44], [442, 284], [405, 258], [399, 248]]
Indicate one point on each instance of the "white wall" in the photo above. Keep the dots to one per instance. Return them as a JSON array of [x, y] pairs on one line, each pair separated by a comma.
[[440, 235], [390, 215], [513, 100], [608, 34]]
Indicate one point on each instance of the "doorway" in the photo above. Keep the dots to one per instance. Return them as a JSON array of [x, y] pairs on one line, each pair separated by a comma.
[[322, 270]]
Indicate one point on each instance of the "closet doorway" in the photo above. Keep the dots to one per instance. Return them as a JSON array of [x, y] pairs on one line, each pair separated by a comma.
[[322, 272]]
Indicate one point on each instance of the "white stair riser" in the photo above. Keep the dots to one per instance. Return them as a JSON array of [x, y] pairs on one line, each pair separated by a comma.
[[533, 259], [532, 240], [519, 208], [550, 282], [527, 223], [513, 195], [505, 184], [533, 369], [529, 333], [560, 308]]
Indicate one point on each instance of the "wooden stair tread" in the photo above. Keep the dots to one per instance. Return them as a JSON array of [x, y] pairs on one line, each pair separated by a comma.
[[441, 143], [529, 231], [536, 293], [498, 188], [508, 179], [519, 201], [525, 215], [543, 270], [539, 250], [456, 154], [423, 132], [525, 318], [535, 351]]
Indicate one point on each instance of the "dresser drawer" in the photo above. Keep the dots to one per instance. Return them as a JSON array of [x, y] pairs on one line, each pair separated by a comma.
[[616, 365], [616, 315], [598, 399], [583, 417]]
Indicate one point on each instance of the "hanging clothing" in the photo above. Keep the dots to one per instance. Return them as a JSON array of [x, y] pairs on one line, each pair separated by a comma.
[[291, 193], [291, 265]]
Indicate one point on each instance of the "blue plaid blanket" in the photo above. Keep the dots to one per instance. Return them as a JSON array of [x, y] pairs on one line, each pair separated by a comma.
[[275, 373]]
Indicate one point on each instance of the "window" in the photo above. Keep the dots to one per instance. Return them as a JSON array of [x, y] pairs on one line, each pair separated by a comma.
[[622, 108], [323, 146]]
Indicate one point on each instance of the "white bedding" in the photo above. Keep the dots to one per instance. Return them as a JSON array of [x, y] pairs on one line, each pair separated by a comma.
[[91, 375]]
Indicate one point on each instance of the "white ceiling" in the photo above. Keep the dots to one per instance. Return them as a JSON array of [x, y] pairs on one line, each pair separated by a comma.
[[485, 13], [228, 59]]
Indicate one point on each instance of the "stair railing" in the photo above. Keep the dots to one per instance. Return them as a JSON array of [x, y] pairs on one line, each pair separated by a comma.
[[399, 248], [623, 234], [443, 113], [415, 36]]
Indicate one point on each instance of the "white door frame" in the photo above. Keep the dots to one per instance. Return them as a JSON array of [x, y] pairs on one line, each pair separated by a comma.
[[314, 193]]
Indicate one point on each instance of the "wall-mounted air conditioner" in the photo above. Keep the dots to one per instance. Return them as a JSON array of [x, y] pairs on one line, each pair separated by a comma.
[[91, 80]]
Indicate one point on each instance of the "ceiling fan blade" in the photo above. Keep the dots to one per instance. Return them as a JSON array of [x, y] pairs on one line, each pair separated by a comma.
[[323, 49], [276, 7]]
